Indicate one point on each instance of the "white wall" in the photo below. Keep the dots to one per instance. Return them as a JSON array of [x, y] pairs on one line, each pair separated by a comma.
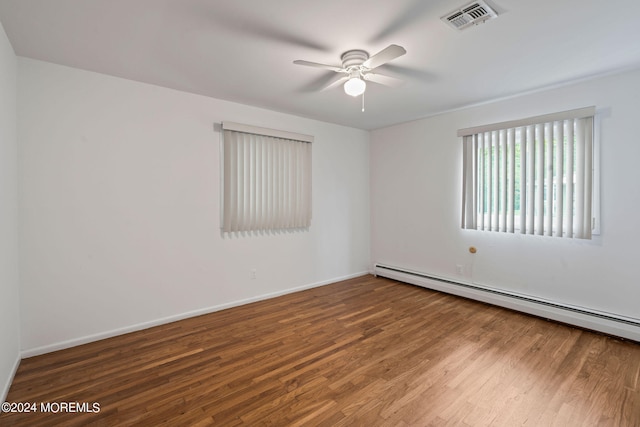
[[9, 315], [416, 197], [119, 185]]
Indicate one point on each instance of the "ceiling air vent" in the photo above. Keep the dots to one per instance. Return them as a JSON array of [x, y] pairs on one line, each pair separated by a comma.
[[471, 14]]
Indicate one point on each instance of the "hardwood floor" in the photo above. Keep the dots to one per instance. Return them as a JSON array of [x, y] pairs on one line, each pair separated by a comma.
[[363, 352]]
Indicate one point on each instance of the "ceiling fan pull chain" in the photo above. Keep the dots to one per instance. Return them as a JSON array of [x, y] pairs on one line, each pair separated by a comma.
[[363, 102]]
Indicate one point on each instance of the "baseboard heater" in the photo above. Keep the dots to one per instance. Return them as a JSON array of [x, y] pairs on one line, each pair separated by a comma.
[[625, 327]]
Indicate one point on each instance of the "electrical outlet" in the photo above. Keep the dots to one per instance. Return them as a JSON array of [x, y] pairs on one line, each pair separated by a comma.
[[459, 269], [253, 273]]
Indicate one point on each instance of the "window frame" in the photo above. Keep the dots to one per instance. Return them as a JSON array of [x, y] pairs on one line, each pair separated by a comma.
[[265, 185], [503, 136]]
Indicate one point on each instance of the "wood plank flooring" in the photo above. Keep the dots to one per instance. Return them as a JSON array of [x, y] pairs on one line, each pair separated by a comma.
[[363, 352]]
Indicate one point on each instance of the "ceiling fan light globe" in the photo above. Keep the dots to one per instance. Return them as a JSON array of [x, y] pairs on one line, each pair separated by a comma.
[[355, 86]]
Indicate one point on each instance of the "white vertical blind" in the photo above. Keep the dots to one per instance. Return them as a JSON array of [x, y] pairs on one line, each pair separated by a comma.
[[510, 209], [559, 178], [539, 180], [266, 179], [482, 194], [531, 181], [533, 176]]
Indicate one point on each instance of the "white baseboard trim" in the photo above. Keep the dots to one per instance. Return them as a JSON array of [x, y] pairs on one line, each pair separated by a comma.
[[7, 385], [145, 325], [595, 320]]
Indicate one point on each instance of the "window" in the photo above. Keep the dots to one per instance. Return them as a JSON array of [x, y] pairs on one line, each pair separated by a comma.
[[266, 179], [532, 176]]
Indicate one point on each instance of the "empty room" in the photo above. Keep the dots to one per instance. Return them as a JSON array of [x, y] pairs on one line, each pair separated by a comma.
[[336, 213]]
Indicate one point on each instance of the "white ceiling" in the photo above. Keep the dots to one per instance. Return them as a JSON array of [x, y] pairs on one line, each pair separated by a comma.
[[243, 51]]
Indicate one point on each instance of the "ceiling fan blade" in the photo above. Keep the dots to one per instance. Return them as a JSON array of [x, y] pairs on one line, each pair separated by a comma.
[[315, 64], [383, 80], [413, 73], [337, 80], [385, 55], [409, 15]]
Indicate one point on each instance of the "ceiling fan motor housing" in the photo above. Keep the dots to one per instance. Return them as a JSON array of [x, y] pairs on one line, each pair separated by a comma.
[[353, 58]]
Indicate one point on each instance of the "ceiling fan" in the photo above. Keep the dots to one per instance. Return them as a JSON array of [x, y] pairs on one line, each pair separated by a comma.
[[357, 68]]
